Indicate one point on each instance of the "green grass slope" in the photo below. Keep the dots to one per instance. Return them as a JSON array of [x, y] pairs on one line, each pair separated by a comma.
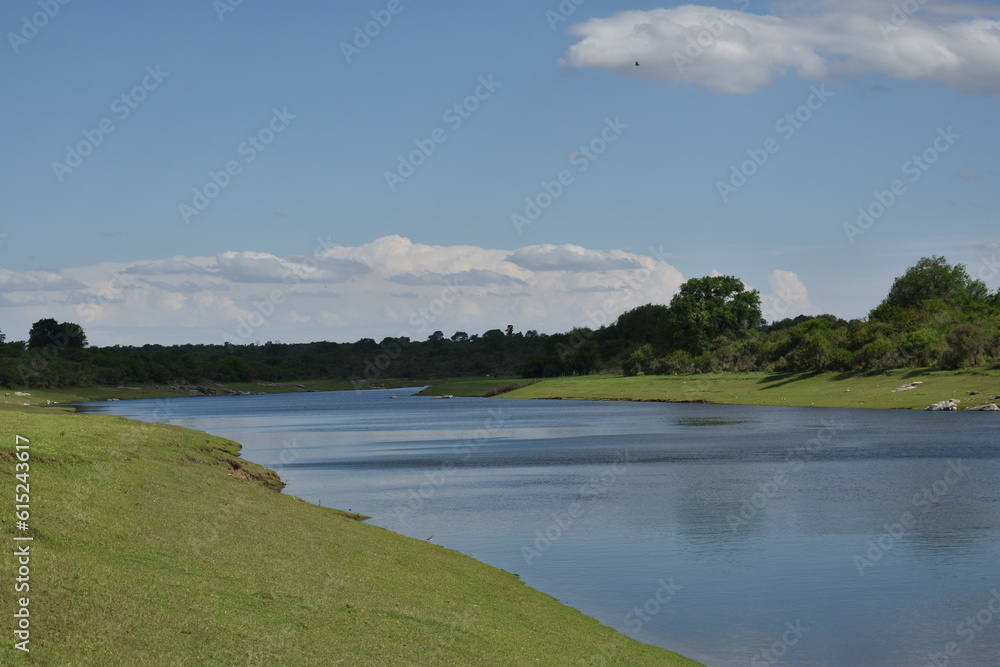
[[840, 390], [156, 545]]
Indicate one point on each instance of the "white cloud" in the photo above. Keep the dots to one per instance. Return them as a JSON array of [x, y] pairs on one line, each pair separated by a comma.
[[549, 257], [341, 293], [11, 281], [185, 287], [263, 267], [788, 297], [739, 52], [76, 298], [19, 299], [478, 277], [176, 265], [397, 255]]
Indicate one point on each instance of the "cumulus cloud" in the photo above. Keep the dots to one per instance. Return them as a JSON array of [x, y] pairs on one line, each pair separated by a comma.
[[599, 288], [17, 299], [549, 257], [184, 287], [478, 277], [397, 255], [77, 298], [263, 267], [788, 297], [740, 52], [11, 281], [164, 267], [388, 287], [253, 267], [323, 269]]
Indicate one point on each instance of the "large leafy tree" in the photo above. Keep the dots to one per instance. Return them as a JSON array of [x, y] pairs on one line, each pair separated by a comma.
[[706, 309], [933, 278], [647, 324], [48, 332]]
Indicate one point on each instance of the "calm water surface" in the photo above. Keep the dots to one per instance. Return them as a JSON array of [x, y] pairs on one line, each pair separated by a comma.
[[735, 535]]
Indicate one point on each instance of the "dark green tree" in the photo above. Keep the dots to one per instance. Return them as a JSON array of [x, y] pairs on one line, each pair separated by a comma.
[[48, 332], [968, 345], [646, 324], [74, 336], [42, 333], [494, 336], [935, 278], [709, 308]]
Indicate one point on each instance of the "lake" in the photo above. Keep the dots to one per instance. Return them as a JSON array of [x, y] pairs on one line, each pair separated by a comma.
[[736, 535]]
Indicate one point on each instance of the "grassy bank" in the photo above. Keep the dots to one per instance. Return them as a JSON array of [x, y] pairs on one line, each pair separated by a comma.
[[159, 545], [844, 390], [69, 394], [476, 386], [839, 390]]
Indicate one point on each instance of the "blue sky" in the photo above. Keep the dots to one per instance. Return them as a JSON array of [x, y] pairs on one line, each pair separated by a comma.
[[311, 240]]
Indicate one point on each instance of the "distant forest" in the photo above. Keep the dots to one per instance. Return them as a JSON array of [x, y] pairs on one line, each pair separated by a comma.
[[934, 315]]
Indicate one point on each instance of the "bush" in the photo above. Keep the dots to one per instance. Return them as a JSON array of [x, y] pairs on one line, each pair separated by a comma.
[[880, 353], [968, 345], [678, 362], [642, 361]]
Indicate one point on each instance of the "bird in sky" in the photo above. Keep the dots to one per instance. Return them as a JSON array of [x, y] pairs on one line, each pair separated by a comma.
[[636, 63]]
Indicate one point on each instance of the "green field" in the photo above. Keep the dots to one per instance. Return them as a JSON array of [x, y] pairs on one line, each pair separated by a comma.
[[839, 390], [157, 545]]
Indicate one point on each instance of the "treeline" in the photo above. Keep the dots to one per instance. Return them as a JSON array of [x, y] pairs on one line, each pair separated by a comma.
[[57, 359], [934, 315]]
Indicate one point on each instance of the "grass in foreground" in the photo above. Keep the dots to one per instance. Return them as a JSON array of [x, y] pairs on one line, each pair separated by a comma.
[[159, 545], [840, 390]]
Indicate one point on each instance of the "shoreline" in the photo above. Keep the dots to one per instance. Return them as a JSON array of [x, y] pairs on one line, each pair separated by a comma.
[[161, 542], [828, 390], [870, 390]]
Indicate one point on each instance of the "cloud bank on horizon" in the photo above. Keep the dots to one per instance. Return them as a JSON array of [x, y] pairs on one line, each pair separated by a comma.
[[737, 52], [388, 287]]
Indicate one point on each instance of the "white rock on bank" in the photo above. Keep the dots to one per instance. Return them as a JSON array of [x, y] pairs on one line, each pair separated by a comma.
[[944, 406], [906, 387], [989, 407]]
